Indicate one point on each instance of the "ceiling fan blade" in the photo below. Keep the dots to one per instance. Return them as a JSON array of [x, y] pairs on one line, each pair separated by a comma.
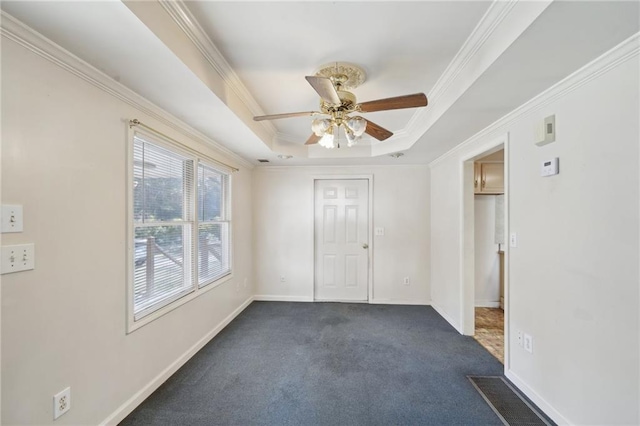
[[313, 139], [376, 131], [399, 102], [325, 89], [286, 115]]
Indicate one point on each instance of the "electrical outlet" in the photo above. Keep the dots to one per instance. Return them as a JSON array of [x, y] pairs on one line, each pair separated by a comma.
[[61, 403], [282, 279], [519, 336], [18, 258], [528, 343], [406, 281], [513, 240]]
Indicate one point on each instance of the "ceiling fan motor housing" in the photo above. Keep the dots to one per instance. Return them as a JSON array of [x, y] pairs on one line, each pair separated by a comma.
[[347, 103], [343, 75]]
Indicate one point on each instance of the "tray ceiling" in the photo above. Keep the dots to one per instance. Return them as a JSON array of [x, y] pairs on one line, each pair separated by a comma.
[[216, 64]]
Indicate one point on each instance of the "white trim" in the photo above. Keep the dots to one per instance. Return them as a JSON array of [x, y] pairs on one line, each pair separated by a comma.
[[448, 318], [537, 399], [369, 179], [417, 302], [473, 58], [274, 298], [467, 249], [157, 310], [487, 304], [605, 62], [125, 409], [329, 168], [191, 27], [14, 30], [507, 257], [154, 315], [495, 14], [466, 268]]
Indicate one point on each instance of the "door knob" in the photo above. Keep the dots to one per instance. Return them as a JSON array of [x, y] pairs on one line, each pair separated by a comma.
[[365, 246]]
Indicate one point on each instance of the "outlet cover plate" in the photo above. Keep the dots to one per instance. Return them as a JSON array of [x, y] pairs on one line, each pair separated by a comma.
[[18, 258], [61, 402]]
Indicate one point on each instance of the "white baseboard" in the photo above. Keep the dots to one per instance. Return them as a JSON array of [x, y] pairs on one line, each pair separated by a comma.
[[447, 317], [125, 409], [399, 302], [537, 399], [487, 304], [273, 298]]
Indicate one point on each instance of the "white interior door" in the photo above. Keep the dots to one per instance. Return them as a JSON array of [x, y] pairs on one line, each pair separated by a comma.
[[341, 239]]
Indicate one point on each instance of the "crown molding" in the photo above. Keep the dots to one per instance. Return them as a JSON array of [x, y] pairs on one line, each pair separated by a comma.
[[459, 75], [502, 23], [495, 14], [15, 30], [616, 56], [183, 17]]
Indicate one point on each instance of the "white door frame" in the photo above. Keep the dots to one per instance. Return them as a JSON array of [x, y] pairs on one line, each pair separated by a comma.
[[467, 239], [369, 178]]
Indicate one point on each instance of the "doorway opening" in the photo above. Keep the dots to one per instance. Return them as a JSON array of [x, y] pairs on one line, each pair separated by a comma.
[[341, 237], [489, 254], [485, 287]]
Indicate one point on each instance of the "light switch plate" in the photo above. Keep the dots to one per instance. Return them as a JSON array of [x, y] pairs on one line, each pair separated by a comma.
[[379, 231], [528, 343], [18, 258], [11, 218], [513, 240]]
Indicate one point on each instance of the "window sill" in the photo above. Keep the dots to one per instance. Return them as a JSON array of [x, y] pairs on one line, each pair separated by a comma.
[[133, 325]]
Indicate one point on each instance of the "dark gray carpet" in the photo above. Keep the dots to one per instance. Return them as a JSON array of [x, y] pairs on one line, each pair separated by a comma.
[[328, 364]]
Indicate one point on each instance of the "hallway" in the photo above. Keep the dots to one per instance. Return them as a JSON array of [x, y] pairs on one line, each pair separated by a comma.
[[490, 330]]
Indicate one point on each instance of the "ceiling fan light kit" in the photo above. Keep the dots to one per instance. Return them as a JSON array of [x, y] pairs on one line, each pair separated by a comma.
[[333, 82]]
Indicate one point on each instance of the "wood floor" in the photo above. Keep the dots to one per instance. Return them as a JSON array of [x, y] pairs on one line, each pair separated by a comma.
[[490, 330]]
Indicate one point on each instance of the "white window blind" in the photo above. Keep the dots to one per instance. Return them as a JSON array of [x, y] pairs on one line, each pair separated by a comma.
[[181, 225], [163, 226], [213, 225]]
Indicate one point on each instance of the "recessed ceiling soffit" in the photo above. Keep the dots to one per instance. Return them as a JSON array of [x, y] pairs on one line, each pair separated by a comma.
[[502, 24]]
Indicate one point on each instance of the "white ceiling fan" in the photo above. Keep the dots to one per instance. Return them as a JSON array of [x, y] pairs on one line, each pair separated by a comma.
[[333, 82]]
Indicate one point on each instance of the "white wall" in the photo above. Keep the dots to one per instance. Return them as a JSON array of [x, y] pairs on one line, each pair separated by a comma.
[[63, 324], [487, 260], [284, 245], [574, 275]]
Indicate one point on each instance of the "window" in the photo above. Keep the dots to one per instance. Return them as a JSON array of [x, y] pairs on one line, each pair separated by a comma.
[[176, 251], [213, 224]]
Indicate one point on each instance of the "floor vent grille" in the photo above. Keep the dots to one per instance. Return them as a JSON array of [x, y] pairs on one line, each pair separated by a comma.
[[512, 409]]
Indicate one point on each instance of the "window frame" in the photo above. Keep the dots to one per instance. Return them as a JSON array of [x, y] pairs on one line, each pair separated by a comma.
[[225, 219], [164, 306]]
